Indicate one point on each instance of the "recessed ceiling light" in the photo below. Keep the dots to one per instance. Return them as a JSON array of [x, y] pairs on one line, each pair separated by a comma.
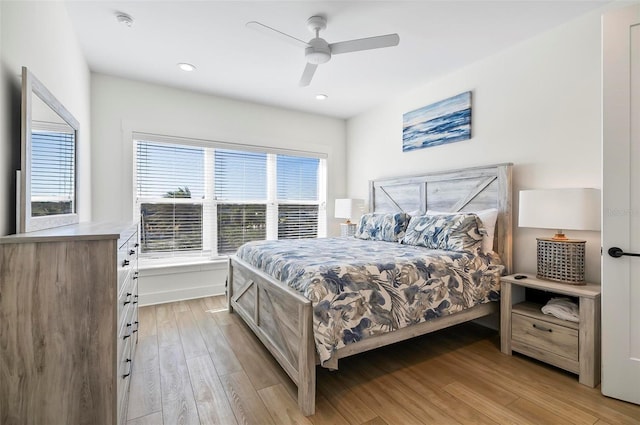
[[187, 67], [124, 19], [322, 97]]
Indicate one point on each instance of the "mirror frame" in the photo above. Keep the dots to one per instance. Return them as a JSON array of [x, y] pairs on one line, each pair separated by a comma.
[[31, 86]]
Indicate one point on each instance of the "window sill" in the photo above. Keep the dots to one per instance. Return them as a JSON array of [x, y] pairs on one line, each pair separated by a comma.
[[155, 267]]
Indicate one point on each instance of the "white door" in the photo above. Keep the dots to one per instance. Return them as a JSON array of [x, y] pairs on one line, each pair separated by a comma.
[[621, 204]]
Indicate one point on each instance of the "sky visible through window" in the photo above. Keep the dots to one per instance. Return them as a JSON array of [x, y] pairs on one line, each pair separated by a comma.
[[297, 178], [52, 165], [166, 168], [239, 175]]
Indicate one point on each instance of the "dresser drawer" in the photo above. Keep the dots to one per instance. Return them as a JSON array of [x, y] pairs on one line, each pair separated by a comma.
[[128, 318], [544, 335], [126, 297], [127, 258], [125, 368]]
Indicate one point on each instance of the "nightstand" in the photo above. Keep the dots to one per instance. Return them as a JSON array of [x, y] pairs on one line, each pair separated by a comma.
[[568, 345]]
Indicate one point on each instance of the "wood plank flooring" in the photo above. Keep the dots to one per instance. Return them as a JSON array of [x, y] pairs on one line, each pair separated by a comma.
[[198, 364]]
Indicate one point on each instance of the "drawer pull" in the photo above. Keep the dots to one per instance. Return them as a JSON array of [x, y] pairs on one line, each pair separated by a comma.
[[542, 328], [132, 251], [126, 302], [136, 244], [125, 263], [128, 373], [126, 336]]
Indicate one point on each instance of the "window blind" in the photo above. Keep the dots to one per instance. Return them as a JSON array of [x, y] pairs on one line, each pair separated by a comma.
[[52, 173], [211, 200], [170, 192], [240, 176], [297, 221], [240, 223], [297, 178]]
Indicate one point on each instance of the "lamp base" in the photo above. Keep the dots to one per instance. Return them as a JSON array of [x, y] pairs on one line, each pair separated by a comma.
[[347, 229], [561, 260]]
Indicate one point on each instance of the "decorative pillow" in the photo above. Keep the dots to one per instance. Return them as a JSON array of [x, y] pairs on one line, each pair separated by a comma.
[[488, 218], [451, 232], [382, 227]]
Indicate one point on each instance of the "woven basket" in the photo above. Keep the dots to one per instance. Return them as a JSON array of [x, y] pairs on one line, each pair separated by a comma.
[[561, 261]]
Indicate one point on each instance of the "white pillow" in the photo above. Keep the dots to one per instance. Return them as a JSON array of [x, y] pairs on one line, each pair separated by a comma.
[[488, 218]]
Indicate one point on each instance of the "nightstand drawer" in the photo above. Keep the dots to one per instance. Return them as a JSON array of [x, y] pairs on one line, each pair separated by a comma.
[[544, 335]]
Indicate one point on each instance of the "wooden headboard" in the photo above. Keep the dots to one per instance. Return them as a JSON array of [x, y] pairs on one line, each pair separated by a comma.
[[468, 189]]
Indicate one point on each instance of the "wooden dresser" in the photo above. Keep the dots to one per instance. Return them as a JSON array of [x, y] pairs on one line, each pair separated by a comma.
[[68, 324]]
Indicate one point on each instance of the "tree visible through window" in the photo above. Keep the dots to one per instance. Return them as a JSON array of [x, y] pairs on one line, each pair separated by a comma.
[[209, 201]]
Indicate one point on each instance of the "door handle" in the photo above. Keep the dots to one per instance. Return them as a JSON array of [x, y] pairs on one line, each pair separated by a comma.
[[616, 252]]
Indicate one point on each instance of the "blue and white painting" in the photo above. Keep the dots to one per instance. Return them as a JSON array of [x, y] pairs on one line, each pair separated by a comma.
[[446, 121]]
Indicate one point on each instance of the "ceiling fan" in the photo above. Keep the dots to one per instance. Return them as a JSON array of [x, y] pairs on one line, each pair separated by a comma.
[[318, 51]]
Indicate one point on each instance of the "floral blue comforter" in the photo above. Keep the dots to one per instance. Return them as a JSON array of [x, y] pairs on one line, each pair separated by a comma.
[[359, 288]]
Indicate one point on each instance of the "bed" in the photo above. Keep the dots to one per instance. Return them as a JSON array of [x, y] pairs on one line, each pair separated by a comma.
[[285, 320]]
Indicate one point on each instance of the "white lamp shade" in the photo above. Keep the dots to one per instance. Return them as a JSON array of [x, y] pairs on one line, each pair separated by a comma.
[[348, 208], [563, 209]]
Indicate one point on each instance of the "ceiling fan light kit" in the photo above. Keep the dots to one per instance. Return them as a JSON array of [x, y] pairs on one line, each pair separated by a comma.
[[317, 51], [186, 67]]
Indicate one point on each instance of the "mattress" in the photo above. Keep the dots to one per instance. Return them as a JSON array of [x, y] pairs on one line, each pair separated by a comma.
[[361, 288]]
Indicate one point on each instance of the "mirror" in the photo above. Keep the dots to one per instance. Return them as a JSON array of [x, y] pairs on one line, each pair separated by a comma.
[[48, 179]]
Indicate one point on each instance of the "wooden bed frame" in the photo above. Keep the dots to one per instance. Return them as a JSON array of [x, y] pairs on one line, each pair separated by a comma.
[[283, 319]]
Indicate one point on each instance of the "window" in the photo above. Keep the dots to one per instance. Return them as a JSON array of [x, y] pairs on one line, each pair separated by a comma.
[[207, 201], [170, 192], [297, 189], [52, 169]]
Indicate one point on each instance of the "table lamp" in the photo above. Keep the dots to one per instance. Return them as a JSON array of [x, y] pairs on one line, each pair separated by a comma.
[[559, 258], [348, 208]]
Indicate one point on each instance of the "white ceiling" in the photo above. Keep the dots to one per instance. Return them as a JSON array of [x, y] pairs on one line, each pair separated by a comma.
[[436, 37]]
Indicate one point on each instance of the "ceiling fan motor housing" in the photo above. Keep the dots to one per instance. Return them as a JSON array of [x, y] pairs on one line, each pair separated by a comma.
[[318, 51]]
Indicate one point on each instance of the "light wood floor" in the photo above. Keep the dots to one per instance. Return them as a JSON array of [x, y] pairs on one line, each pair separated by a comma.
[[196, 363]]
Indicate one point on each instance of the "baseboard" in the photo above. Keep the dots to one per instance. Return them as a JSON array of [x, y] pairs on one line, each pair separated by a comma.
[[153, 298]]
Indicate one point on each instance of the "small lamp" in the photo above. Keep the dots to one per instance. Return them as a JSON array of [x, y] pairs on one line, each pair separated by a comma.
[[559, 258], [348, 208]]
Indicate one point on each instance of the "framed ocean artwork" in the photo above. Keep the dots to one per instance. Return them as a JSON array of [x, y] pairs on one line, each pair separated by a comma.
[[446, 121]]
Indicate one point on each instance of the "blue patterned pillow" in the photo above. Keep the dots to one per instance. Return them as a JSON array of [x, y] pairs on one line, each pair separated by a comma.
[[452, 232], [382, 227]]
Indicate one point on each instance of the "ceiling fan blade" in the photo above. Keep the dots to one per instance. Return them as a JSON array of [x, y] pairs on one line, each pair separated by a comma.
[[307, 74], [274, 32], [368, 43]]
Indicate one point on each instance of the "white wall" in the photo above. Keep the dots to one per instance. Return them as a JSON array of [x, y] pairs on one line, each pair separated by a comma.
[[39, 35], [536, 105], [120, 106]]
